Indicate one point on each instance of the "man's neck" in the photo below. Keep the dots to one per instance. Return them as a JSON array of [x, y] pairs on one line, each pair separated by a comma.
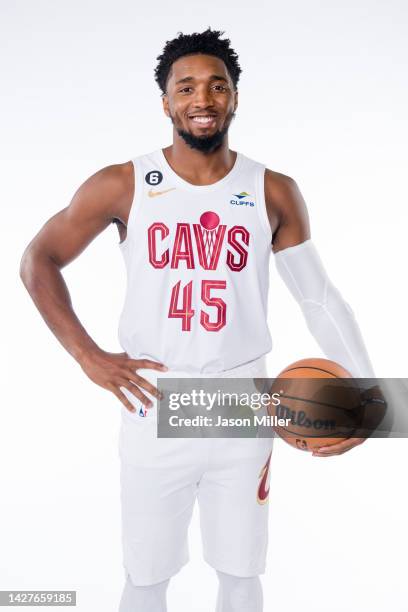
[[196, 167]]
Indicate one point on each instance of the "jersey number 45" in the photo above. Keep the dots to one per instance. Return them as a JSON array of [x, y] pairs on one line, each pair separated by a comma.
[[185, 312]]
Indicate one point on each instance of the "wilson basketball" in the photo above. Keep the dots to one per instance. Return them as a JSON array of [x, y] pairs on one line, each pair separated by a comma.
[[320, 401]]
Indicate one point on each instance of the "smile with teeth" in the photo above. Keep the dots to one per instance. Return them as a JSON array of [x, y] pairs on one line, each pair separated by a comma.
[[204, 119]]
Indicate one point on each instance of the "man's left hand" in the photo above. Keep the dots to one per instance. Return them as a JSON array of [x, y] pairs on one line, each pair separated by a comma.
[[374, 413]]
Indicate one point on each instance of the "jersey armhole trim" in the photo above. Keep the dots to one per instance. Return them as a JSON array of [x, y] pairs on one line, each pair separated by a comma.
[[136, 201], [260, 202]]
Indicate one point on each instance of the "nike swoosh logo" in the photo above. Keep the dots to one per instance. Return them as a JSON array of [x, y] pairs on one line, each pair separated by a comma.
[[153, 194], [263, 492]]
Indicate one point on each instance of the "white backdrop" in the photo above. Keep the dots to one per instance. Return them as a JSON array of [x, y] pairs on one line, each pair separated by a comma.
[[323, 98]]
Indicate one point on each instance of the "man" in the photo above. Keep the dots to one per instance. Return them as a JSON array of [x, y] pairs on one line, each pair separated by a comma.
[[197, 224]]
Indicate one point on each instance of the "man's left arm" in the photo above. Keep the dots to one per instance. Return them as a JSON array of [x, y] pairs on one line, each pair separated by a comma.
[[329, 317]]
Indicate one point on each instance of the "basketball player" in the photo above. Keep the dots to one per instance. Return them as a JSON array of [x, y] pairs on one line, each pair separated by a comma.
[[197, 224]]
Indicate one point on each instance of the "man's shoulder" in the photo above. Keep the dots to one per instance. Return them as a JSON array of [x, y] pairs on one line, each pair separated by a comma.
[[109, 189], [280, 189], [116, 181], [277, 180], [117, 175]]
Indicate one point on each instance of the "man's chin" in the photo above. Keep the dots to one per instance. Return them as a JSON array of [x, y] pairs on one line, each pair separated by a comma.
[[203, 143]]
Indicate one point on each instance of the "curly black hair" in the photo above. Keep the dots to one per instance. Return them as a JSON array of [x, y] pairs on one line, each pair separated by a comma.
[[208, 42]]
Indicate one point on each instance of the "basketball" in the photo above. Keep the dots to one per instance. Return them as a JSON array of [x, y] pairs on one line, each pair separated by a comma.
[[321, 400]]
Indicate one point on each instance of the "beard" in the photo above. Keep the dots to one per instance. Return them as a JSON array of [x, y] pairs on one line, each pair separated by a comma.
[[205, 144]]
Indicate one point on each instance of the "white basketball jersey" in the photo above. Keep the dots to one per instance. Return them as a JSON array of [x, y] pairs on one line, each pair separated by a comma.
[[197, 260]]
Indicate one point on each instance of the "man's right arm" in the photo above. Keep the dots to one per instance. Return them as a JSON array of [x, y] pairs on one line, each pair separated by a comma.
[[100, 199]]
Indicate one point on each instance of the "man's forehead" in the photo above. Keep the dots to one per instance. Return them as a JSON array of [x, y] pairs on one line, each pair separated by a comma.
[[198, 66]]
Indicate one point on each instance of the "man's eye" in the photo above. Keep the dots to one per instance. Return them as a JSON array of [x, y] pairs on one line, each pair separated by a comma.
[[218, 87]]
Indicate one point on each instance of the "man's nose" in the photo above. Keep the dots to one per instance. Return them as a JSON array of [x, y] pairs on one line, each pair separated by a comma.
[[202, 97]]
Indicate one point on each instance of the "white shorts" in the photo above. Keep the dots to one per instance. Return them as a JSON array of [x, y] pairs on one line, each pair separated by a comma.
[[162, 477]]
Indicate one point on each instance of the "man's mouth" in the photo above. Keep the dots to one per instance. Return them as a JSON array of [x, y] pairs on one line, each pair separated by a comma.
[[204, 120]]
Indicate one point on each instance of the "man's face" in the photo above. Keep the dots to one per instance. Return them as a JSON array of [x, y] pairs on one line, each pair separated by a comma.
[[200, 101]]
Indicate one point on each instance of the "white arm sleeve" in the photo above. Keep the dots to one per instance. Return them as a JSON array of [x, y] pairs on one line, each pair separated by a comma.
[[329, 318]]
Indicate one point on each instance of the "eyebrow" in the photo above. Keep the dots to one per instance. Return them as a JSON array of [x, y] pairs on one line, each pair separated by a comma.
[[213, 77]]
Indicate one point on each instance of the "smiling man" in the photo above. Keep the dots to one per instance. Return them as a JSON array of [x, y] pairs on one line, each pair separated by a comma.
[[203, 130], [198, 223]]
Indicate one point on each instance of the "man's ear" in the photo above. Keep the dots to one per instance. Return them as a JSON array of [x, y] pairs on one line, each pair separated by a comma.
[[236, 101], [165, 102]]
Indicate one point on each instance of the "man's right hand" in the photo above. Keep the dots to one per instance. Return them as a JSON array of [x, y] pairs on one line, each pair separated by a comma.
[[114, 370]]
